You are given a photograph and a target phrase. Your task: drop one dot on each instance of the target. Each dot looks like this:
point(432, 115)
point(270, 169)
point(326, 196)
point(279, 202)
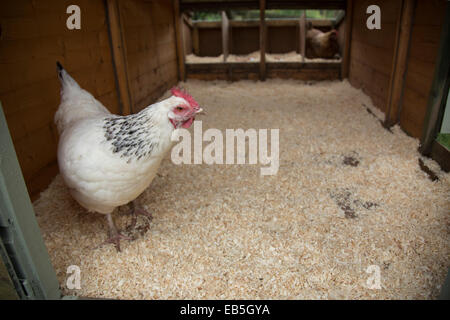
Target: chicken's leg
point(114, 235)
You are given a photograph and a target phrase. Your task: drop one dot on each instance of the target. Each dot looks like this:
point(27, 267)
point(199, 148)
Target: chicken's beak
point(200, 111)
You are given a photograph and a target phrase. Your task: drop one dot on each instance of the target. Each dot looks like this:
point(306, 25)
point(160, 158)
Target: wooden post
point(119, 56)
point(345, 65)
point(230, 39)
point(302, 33)
point(178, 19)
point(262, 39)
point(398, 72)
point(195, 40)
point(225, 35)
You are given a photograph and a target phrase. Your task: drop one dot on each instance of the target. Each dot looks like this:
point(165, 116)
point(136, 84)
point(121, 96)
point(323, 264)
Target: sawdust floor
point(348, 194)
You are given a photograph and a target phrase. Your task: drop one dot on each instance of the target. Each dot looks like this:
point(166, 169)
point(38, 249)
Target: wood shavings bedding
point(255, 57)
point(348, 195)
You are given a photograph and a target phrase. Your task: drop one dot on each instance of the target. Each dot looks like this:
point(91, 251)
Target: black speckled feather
point(133, 136)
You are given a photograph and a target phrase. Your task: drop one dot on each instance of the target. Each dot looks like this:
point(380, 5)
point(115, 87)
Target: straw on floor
point(348, 195)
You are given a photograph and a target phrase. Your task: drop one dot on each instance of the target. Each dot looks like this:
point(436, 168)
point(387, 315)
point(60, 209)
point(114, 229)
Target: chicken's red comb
point(182, 94)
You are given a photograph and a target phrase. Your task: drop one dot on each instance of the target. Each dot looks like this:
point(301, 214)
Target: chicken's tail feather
point(76, 103)
point(64, 77)
point(59, 69)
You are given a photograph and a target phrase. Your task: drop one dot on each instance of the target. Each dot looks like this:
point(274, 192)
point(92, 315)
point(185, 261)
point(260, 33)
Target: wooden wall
point(210, 42)
point(149, 33)
point(372, 51)
point(34, 36)
point(372, 55)
point(244, 40)
point(424, 43)
point(282, 39)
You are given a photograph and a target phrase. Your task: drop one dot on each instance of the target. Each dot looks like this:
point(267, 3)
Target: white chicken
point(108, 160)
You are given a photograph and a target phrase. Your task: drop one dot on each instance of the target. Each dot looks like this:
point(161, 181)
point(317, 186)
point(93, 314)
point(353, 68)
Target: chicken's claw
point(115, 239)
point(114, 235)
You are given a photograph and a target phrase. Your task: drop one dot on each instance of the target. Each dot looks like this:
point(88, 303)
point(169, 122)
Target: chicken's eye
point(180, 108)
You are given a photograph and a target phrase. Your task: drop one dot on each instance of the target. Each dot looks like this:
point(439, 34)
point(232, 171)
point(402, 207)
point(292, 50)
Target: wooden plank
point(252, 65)
point(118, 50)
point(35, 151)
point(377, 58)
point(304, 65)
point(230, 37)
point(397, 84)
point(385, 38)
point(199, 5)
point(221, 67)
point(425, 42)
point(187, 20)
point(373, 82)
point(345, 68)
point(195, 40)
point(41, 180)
point(302, 34)
point(269, 23)
point(417, 81)
point(178, 20)
point(305, 75)
point(242, 70)
point(225, 35)
point(262, 39)
point(413, 116)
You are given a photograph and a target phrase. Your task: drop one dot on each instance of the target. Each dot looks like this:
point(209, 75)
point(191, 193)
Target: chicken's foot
point(114, 234)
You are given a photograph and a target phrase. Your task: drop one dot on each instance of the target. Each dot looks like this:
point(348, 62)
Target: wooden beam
point(235, 71)
point(225, 36)
point(195, 41)
point(119, 56)
point(302, 34)
point(187, 20)
point(253, 4)
point(345, 66)
point(230, 36)
point(178, 21)
point(399, 65)
point(269, 23)
point(339, 19)
point(262, 39)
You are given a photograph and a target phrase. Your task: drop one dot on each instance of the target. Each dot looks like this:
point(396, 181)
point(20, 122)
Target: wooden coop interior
point(129, 53)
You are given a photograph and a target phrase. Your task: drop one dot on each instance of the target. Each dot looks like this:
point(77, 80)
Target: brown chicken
point(321, 44)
